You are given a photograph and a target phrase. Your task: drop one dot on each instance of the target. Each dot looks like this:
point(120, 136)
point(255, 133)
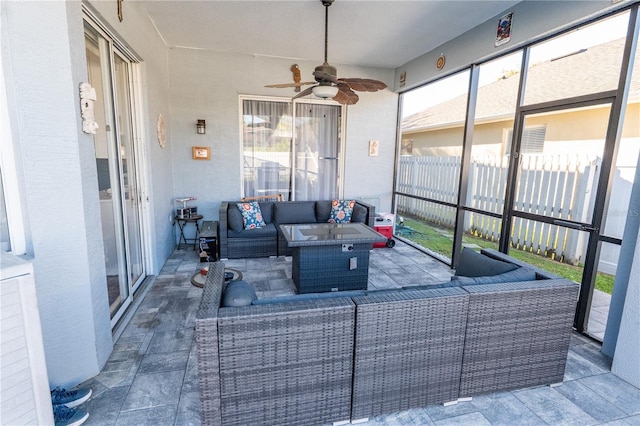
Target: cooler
point(384, 224)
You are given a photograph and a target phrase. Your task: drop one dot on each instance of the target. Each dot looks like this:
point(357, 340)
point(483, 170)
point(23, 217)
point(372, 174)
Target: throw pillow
point(234, 217)
point(341, 211)
point(251, 215)
point(266, 207)
point(474, 264)
point(517, 275)
point(294, 212)
point(359, 214)
point(238, 293)
point(323, 211)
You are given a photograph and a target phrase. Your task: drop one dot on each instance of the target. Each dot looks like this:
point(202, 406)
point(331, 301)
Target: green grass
point(435, 239)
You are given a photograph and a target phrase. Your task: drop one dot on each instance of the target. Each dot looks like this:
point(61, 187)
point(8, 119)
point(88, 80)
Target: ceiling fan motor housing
point(325, 69)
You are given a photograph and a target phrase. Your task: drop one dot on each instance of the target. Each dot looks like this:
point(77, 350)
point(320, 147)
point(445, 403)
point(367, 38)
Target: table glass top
point(319, 233)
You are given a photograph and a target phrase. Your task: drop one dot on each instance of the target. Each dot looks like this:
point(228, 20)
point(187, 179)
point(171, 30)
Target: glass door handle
point(327, 158)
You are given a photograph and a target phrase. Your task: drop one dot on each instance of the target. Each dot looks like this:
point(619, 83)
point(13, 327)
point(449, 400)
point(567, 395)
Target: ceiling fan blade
point(363, 84)
point(283, 85)
point(323, 76)
point(305, 92)
point(345, 95)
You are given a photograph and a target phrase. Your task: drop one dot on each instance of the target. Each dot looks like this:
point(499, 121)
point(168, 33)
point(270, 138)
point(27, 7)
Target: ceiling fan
point(327, 84)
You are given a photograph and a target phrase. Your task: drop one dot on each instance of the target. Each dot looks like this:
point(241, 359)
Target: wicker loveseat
point(314, 360)
point(236, 242)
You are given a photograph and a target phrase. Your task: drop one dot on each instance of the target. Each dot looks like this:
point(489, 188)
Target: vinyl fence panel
point(559, 186)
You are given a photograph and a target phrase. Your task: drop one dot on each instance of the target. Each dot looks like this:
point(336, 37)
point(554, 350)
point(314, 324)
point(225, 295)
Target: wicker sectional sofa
point(318, 359)
point(236, 242)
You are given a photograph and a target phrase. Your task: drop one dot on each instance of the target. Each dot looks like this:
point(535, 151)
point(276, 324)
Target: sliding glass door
point(110, 74)
point(131, 207)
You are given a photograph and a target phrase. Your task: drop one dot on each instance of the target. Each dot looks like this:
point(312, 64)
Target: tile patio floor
point(151, 377)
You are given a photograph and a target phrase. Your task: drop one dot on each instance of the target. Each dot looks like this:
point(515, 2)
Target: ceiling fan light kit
point(327, 84)
point(325, 92)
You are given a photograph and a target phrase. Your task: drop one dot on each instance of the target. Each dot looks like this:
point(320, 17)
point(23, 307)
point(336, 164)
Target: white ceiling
point(380, 33)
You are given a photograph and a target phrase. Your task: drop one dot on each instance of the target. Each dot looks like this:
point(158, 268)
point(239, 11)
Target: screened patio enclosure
point(533, 153)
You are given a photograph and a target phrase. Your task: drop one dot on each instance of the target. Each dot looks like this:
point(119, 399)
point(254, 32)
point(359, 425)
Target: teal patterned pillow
point(251, 215)
point(341, 211)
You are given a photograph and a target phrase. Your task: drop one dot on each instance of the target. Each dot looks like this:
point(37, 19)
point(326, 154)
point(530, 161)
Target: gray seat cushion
point(519, 274)
point(308, 296)
point(269, 230)
point(323, 295)
point(474, 264)
point(234, 218)
point(266, 208)
point(294, 212)
point(446, 284)
point(323, 211)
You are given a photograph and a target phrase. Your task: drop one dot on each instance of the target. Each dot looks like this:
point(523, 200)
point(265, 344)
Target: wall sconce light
point(201, 127)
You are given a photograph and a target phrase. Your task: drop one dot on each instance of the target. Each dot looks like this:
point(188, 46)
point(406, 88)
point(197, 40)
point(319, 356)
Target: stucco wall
point(44, 63)
point(374, 117)
point(207, 85)
point(60, 189)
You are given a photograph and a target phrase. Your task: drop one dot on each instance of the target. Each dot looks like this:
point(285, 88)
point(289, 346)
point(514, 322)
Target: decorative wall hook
point(87, 96)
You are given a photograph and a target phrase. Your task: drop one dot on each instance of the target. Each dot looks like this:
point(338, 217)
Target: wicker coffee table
point(330, 256)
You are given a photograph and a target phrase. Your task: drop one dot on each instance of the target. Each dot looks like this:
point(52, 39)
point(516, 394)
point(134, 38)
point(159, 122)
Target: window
point(406, 148)
point(266, 147)
point(532, 140)
point(291, 151)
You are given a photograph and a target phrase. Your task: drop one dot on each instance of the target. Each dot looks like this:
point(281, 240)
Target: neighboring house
point(571, 140)
point(438, 130)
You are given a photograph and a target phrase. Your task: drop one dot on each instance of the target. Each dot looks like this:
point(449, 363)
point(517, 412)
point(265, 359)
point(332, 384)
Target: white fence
point(559, 186)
